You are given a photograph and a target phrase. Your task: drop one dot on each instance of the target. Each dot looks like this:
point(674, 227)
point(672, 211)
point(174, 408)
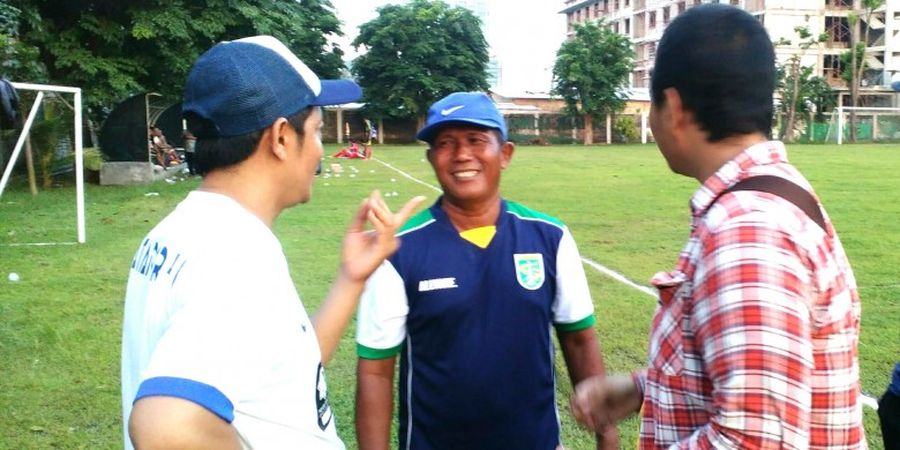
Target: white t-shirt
point(212, 316)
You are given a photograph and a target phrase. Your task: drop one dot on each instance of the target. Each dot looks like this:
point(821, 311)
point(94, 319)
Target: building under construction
point(645, 20)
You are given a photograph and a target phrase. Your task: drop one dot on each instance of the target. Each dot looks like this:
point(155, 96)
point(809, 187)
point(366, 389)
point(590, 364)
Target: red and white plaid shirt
point(754, 342)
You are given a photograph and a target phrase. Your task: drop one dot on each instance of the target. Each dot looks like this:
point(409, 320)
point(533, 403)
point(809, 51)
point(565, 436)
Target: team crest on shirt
point(529, 270)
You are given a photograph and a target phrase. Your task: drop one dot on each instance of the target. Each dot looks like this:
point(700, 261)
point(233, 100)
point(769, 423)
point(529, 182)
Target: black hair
point(722, 63)
point(214, 153)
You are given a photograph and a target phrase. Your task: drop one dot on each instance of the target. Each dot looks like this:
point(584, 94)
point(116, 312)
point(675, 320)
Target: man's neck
point(468, 216)
point(250, 193)
point(711, 156)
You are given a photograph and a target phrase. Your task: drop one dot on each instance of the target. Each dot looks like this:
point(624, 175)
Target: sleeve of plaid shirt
point(751, 319)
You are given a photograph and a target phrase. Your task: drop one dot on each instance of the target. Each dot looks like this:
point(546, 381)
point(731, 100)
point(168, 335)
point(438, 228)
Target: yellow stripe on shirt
point(480, 236)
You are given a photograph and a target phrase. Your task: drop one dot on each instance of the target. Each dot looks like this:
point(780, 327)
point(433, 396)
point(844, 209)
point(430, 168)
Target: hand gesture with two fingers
point(364, 249)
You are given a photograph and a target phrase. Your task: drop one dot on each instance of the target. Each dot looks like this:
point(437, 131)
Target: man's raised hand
point(365, 249)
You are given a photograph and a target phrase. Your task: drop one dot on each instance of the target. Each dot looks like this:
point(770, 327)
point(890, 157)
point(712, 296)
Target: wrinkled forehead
point(457, 129)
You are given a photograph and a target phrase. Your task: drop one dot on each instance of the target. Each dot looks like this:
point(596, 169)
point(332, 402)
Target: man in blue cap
point(217, 349)
point(469, 303)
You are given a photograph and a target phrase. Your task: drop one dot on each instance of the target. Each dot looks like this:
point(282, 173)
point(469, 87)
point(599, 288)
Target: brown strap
point(785, 189)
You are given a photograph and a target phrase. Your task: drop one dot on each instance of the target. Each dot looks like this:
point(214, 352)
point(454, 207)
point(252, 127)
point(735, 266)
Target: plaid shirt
point(754, 341)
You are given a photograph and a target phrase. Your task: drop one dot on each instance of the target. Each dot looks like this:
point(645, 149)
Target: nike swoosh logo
point(448, 111)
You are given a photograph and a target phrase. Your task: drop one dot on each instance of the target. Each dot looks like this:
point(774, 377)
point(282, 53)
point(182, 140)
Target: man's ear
point(681, 119)
point(278, 138)
point(506, 153)
point(682, 122)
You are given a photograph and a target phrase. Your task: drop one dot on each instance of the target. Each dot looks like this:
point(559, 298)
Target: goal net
point(12, 204)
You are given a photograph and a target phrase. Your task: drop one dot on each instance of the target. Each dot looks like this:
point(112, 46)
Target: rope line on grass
point(435, 188)
point(37, 244)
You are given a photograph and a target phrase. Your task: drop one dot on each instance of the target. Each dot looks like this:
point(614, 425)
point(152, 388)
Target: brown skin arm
point(583, 359)
point(361, 253)
point(162, 422)
point(374, 402)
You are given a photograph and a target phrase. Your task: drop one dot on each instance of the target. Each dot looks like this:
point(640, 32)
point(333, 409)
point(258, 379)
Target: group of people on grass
point(754, 342)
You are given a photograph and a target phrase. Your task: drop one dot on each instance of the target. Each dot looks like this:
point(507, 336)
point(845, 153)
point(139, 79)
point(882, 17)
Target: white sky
point(523, 35)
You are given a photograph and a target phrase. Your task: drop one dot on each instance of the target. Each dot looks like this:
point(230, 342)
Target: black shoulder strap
point(800, 197)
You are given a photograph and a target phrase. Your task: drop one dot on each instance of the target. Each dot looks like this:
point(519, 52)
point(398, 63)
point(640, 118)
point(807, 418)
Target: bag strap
point(801, 198)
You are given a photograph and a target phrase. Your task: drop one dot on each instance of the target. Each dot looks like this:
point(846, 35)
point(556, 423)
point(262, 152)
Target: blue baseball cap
point(243, 86)
point(464, 108)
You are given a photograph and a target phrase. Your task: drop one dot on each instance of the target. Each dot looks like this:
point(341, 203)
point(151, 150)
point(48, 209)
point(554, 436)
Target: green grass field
point(60, 325)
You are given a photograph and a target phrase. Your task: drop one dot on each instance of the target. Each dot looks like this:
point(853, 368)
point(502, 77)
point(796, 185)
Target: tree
point(19, 60)
point(416, 54)
point(794, 80)
point(113, 50)
point(862, 8)
point(591, 73)
point(802, 94)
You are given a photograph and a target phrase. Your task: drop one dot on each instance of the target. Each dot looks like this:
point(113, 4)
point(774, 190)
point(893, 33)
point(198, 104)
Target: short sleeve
point(381, 319)
point(215, 344)
point(573, 308)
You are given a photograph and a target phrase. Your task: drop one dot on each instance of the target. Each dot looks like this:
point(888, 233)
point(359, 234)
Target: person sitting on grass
point(351, 152)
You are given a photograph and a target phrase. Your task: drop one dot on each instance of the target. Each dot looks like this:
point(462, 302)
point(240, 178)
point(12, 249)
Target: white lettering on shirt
point(437, 283)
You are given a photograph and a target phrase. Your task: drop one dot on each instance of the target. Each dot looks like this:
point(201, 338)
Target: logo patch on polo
point(529, 270)
point(437, 283)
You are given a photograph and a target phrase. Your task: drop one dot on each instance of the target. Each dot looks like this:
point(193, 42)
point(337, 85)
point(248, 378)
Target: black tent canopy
point(124, 135)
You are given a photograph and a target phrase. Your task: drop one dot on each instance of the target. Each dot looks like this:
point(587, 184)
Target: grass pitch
point(61, 322)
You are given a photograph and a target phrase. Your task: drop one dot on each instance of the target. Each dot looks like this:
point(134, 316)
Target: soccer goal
point(79, 153)
point(871, 124)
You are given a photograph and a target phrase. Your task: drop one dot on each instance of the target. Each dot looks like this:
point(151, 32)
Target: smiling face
point(467, 161)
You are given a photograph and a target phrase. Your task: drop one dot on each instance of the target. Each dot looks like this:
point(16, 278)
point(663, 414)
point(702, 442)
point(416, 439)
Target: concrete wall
point(126, 173)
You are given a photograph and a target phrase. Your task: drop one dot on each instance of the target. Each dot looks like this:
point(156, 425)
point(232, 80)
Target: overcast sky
point(523, 35)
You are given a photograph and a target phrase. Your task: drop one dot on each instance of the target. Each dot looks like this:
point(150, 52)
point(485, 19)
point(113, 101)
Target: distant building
point(527, 102)
point(544, 103)
point(644, 21)
point(479, 7)
point(494, 74)
point(482, 11)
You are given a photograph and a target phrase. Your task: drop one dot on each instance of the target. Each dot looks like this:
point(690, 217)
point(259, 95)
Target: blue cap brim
point(337, 92)
point(428, 133)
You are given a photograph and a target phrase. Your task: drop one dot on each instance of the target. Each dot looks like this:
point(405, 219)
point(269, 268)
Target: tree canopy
point(591, 72)
point(865, 10)
point(798, 90)
point(19, 59)
point(115, 49)
point(418, 53)
point(801, 93)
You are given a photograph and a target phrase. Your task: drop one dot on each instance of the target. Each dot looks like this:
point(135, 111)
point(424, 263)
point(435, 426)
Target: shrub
point(625, 130)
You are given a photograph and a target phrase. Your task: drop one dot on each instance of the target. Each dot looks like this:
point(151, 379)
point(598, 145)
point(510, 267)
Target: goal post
point(878, 124)
point(79, 151)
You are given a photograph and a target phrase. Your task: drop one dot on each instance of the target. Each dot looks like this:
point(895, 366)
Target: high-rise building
point(479, 7)
point(644, 21)
point(482, 11)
